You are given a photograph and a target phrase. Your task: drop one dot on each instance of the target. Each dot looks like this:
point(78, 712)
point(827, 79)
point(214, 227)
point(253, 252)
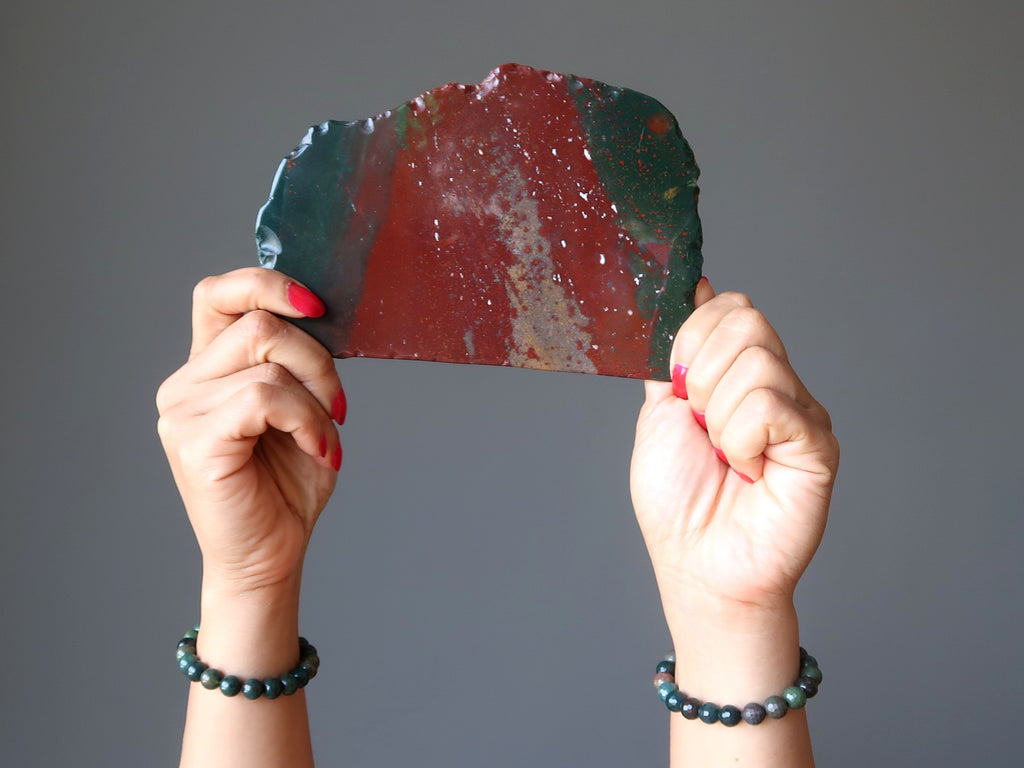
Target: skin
point(246, 425)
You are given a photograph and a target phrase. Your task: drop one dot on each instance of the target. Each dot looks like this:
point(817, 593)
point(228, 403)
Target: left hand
point(736, 531)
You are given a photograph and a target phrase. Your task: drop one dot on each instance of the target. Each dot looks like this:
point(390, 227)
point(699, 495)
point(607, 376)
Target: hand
point(730, 538)
point(247, 427)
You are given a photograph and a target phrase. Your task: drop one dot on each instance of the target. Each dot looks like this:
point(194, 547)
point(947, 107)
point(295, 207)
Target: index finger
point(220, 300)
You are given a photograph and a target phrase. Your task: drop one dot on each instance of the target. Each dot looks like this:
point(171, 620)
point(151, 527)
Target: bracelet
point(794, 697)
point(199, 672)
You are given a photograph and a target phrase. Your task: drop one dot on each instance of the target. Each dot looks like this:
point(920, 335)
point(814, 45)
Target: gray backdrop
point(478, 588)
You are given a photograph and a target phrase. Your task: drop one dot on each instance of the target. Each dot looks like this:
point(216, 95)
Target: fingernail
point(336, 458)
point(701, 420)
point(721, 455)
point(305, 301)
point(679, 380)
point(323, 446)
point(744, 478)
point(339, 407)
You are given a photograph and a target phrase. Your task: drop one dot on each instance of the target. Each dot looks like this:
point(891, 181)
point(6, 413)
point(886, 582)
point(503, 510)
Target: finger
point(754, 368)
point(231, 428)
point(696, 329)
point(768, 424)
point(736, 329)
point(220, 300)
point(704, 292)
point(259, 338)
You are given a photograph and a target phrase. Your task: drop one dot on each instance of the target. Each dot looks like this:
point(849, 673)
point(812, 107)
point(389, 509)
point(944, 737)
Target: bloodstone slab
point(536, 220)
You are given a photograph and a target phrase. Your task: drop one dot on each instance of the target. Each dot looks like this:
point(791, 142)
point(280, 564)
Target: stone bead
point(252, 688)
point(272, 688)
point(195, 670)
point(691, 708)
point(301, 676)
point(230, 686)
point(311, 666)
point(808, 661)
point(289, 685)
point(809, 686)
point(776, 707)
point(663, 677)
point(188, 643)
point(211, 678)
point(674, 701)
point(192, 634)
point(754, 713)
point(671, 656)
point(811, 671)
point(795, 697)
point(729, 715)
point(186, 660)
point(708, 713)
point(666, 666)
point(665, 689)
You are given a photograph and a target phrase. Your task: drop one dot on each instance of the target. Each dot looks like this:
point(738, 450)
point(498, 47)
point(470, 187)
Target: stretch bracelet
point(199, 672)
point(794, 697)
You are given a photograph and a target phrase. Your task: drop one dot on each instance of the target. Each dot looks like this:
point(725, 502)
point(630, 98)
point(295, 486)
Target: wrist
point(247, 631)
point(733, 654)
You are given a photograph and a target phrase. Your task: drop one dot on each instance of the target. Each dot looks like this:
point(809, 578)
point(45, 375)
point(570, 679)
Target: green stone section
point(650, 173)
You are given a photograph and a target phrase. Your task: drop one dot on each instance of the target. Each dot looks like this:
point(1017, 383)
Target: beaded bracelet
point(794, 697)
point(253, 688)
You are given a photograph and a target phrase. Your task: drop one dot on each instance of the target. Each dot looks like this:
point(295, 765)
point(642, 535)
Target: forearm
point(729, 657)
point(249, 635)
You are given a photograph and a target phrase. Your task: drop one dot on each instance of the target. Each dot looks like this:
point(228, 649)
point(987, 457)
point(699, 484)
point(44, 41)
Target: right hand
point(247, 427)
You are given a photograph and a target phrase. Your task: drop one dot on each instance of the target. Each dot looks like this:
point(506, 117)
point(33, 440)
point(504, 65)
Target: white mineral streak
point(544, 319)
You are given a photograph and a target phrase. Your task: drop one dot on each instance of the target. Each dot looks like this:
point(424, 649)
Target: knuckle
point(261, 326)
point(747, 321)
point(259, 395)
point(203, 289)
point(737, 298)
point(273, 374)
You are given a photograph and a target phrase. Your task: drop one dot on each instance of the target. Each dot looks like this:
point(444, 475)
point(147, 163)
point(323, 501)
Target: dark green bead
point(708, 713)
point(776, 707)
point(311, 666)
point(179, 652)
point(754, 713)
point(729, 715)
point(674, 701)
point(301, 676)
point(211, 678)
point(808, 686)
point(665, 689)
point(272, 688)
point(230, 686)
point(795, 697)
point(252, 688)
point(808, 661)
point(813, 672)
point(188, 643)
point(289, 685)
point(690, 709)
point(195, 671)
point(192, 634)
point(665, 666)
point(186, 660)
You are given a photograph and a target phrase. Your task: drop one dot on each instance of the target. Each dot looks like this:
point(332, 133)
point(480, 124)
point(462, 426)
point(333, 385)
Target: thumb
point(704, 292)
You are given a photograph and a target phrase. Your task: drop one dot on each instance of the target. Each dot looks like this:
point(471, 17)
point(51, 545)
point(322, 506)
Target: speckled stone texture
point(535, 220)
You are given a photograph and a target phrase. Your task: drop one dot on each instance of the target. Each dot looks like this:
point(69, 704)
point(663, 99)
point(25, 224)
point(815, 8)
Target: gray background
point(478, 588)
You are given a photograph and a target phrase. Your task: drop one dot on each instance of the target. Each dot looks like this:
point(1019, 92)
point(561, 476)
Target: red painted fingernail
point(305, 301)
point(744, 478)
point(339, 407)
point(701, 420)
point(323, 446)
point(336, 458)
point(721, 455)
point(679, 380)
